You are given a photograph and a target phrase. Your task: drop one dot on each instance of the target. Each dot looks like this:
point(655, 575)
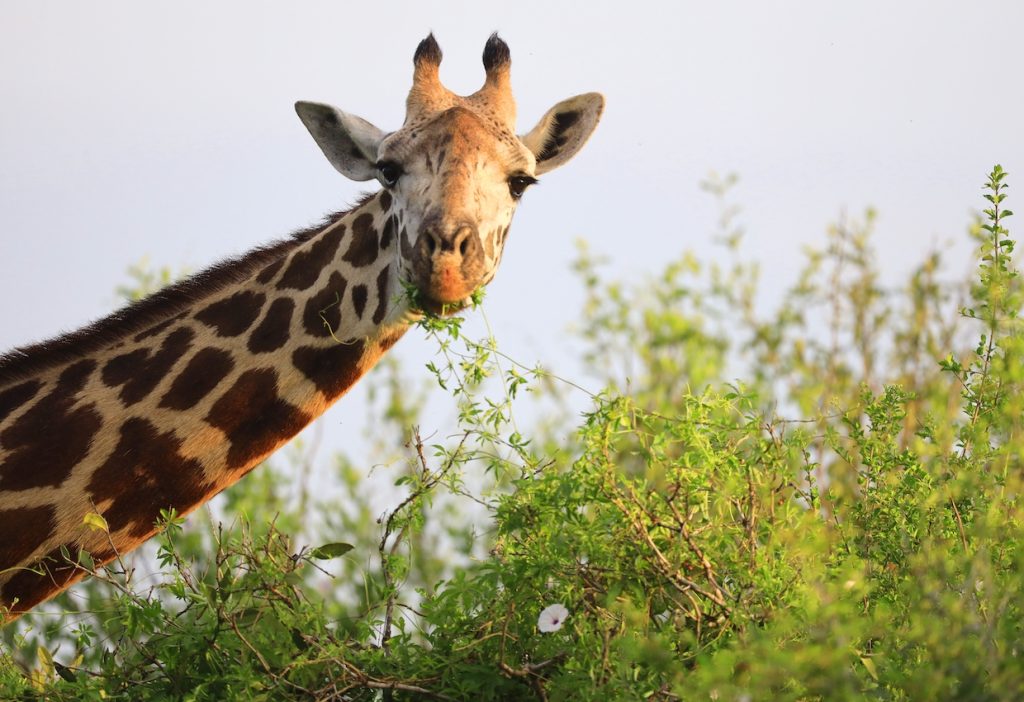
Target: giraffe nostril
point(431, 244)
point(464, 246)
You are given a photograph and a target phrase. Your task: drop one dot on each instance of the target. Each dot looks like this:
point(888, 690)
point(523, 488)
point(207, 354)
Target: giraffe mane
point(24, 361)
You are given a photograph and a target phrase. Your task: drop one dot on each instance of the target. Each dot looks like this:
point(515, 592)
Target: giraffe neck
point(167, 403)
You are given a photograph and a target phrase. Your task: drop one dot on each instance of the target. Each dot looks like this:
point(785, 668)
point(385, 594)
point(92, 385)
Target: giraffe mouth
point(441, 308)
point(439, 300)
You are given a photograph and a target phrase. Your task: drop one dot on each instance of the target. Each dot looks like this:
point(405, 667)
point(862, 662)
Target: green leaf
point(85, 560)
point(329, 551)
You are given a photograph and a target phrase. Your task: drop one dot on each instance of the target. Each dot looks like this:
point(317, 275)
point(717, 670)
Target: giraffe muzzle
point(448, 262)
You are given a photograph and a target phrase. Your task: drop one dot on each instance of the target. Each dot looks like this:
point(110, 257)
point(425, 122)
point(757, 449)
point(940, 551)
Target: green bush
point(843, 524)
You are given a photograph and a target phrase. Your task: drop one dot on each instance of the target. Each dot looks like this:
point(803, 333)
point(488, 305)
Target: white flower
point(552, 618)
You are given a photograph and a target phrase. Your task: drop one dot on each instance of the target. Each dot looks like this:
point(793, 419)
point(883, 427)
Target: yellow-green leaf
point(95, 520)
point(870, 666)
point(46, 670)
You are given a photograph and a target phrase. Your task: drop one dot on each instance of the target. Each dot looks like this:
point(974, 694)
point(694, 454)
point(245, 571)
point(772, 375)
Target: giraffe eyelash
point(518, 184)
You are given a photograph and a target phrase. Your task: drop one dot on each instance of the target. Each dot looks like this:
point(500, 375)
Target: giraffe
point(170, 400)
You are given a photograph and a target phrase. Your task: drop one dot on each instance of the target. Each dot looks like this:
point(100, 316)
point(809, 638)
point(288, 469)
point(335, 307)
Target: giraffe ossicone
point(167, 402)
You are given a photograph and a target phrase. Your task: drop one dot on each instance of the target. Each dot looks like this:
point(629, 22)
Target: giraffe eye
point(518, 184)
point(389, 172)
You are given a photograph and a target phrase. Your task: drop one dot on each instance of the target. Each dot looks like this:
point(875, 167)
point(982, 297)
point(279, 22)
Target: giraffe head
point(455, 171)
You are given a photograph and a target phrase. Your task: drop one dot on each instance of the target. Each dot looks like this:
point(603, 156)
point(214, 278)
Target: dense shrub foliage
point(842, 523)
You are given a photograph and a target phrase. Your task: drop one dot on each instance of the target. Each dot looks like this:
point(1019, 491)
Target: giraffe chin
point(440, 308)
point(446, 293)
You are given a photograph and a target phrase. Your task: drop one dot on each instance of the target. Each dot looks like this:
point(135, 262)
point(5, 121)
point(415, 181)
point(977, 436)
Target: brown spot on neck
point(359, 295)
point(382, 295)
point(322, 314)
point(272, 333)
point(254, 418)
point(364, 244)
point(139, 371)
point(50, 439)
point(388, 232)
point(16, 396)
point(306, 265)
point(333, 369)
point(144, 474)
point(198, 379)
point(233, 315)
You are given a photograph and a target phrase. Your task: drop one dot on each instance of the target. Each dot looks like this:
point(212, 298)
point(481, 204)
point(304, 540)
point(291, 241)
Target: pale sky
point(127, 130)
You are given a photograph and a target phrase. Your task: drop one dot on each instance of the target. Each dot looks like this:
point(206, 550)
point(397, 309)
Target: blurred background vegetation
point(817, 500)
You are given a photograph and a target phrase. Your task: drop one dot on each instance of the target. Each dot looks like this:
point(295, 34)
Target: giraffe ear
point(563, 130)
point(350, 143)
